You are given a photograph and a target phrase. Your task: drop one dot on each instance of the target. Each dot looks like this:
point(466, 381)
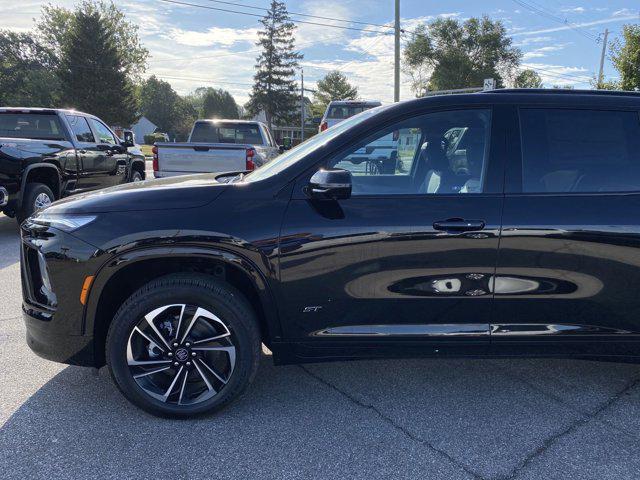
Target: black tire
point(136, 176)
point(31, 193)
point(221, 299)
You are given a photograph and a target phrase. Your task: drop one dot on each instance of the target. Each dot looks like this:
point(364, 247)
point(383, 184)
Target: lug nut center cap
point(182, 354)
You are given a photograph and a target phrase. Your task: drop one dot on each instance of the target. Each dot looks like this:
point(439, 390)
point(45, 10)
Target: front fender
point(128, 258)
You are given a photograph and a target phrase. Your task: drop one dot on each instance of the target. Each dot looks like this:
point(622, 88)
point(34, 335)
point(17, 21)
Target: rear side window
point(35, 126)
point(580, 151)
point(80, 129)
point(208, 132)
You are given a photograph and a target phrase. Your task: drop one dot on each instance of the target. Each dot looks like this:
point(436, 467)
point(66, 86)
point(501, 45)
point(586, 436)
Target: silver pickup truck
point(216, 146)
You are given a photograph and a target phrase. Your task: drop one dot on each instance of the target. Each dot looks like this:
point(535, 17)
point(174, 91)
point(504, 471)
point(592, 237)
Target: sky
point(191, 47)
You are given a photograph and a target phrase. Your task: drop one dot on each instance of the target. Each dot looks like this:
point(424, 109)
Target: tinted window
point(104, 134)
point(80, 128)
point(580, 150)
point(25, 125)
point(209, 132)
point(439, 153)
point(346, 111)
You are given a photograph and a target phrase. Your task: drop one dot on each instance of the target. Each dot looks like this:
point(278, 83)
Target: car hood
point(189, 191)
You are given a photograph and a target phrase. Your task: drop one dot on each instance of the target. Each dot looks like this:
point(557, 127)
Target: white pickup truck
point(216, 146)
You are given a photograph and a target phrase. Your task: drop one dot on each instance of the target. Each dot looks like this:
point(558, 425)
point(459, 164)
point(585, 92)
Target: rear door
point(568, 269)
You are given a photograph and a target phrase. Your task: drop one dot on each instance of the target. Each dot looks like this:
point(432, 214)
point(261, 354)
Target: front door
point(111, 158)
point(410, 256)
point(568, 273)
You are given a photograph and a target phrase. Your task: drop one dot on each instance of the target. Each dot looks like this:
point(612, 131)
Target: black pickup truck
point(47, 154)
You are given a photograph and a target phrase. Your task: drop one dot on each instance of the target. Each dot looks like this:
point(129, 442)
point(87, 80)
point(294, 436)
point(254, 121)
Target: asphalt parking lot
point(430, 419)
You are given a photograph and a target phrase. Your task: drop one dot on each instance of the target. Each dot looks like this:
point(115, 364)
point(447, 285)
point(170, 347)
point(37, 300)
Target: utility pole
point(602, 55)
point(301, 105)
point(396, 67)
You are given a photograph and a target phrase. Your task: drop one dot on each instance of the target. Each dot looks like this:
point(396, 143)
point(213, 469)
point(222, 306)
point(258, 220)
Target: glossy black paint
point(69, 166)
point(372, 276)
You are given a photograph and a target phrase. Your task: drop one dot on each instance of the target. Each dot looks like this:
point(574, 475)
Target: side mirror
point(128, 139)
point(332, 184)
point(281, 148)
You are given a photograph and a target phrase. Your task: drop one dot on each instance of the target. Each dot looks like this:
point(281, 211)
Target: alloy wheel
point(42, 200)
point(181, 354)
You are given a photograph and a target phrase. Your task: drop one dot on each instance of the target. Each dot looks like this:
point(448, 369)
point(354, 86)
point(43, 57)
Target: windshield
point(287, 159)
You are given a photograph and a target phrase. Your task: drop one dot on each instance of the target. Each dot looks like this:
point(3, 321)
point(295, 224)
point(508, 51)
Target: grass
point(146, 149)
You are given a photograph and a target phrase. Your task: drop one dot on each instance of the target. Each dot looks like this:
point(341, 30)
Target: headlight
point(64, 222)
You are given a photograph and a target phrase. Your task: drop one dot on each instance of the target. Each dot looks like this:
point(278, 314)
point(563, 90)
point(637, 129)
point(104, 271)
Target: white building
point(143, 127)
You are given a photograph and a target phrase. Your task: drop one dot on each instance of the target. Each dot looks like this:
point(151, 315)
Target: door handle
point(458, 225)
point(82, 151)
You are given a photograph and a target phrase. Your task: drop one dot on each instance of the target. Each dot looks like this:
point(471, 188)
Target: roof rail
point(562, 91)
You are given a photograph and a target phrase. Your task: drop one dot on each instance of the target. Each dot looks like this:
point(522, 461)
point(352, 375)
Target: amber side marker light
point(85, 289)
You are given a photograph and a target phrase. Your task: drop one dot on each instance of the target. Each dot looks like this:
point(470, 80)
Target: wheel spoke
point(151, 316)
point(179, 322)
point(135, 363)
point(213, 372)
point(149, 339)
point(173, 384)
point(206, 380)
point(184, 383)
point(211, 339)
point(231, 351)
point(151, 372)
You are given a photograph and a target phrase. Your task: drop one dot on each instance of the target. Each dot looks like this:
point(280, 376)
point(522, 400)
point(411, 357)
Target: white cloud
point(574, 10)
point(619, 18)
point(543, 51)
point(623, 12)
point(560, 75)
point(528, 41)
point(213, 36)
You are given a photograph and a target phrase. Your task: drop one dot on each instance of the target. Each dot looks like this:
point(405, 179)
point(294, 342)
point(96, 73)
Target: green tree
point(160, 103)
point(274, 88)
point(528, 79)
point(214, 103)
point(449, 54)
point(55, 26)
point(92, 71)
point(27, 71)
point(625, 54)
point(333, 86)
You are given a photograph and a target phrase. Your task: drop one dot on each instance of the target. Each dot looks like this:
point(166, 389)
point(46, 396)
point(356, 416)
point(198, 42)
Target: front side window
point(565, 151)
point(438, 153)
point(81, 129)
point(104, 134)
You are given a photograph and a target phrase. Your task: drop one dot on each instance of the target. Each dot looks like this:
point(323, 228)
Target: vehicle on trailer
point(216, 146)
point(510, 231)
point(47, 154)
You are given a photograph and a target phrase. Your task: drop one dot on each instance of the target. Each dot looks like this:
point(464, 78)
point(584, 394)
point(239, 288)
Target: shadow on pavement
point(382, 419)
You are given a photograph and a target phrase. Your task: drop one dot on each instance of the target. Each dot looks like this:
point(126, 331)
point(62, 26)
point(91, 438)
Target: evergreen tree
point(274, 89)
point(334, 86)
point(92, 70)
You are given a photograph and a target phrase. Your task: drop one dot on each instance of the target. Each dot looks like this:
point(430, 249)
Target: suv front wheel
point(36, 197)
point(183, 345)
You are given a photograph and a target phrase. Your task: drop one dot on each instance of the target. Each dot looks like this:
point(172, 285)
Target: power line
point(252, 50)
point(343, 27)
point(546, 13)
point(303, 14)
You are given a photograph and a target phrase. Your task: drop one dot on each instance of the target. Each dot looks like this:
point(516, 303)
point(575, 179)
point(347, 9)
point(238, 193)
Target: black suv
point(506, 224)
point(47, 154)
